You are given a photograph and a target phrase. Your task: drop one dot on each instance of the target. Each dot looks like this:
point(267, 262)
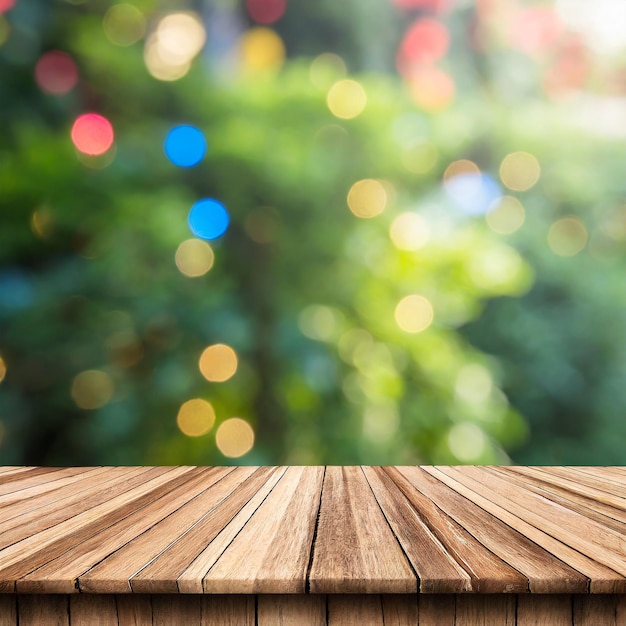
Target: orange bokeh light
point(92, 134)
point(535, 30)
point(432, 89)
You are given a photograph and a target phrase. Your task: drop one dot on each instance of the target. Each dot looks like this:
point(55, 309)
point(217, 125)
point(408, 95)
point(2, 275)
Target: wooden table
point(438, 546)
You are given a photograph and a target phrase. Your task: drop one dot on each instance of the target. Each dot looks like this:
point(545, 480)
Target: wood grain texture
point(485, 610)
point(228, 610)
point(348, 610)
point(594, 610)
point(43, 611)
point(400, 609)
point(176, 610)
point(291, 610)
point(355, 550)
point(8, 610)
point(134, 610)
point(92, 610)
point(544, 610)
point(436, 609)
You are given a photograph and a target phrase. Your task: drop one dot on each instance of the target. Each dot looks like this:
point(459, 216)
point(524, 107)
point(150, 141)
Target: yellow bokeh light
point(567, 236)
point(467, 441)
point(507, 216)
point(459, 168)
point(414, 314)
point(195, 417)
point(420, 158)
point(409, 231)
point(92, 389)
point(326, 69)
point(261, 49)
point(234, 437)
point(519, 171)
point(169, 51)
point(319, 322)
point(367, 198)
point(3, 369)
point(124, 24)
point(41, 223)
point(194, 257)
point(218, 363)
point(346, 99)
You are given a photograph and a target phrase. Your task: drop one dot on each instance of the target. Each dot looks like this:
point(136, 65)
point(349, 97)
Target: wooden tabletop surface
point(261, 530)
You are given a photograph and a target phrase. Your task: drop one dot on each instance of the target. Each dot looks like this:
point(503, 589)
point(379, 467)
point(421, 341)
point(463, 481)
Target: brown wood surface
point(315, 530)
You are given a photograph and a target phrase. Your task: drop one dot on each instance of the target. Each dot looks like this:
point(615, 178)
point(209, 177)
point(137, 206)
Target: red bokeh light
point(6, 5)
point(432, 89)
point(266, 11)
point(426, 41)
point(56, 73)
point(92, 134)
point(436, 6)
point(535, 29)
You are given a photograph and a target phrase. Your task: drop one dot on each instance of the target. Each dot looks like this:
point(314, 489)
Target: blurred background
point(281, 231)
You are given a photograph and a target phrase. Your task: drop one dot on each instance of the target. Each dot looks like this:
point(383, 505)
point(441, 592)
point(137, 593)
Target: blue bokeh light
point(208, 219)
point(474, 194)
point(185, 146)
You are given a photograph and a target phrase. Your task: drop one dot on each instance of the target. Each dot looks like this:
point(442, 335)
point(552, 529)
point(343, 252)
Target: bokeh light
point(567, 236)
point(56, 73)
point(535, 29)
point(266, 11)
point(261, 50)
point(171, 48)
point(431, 88)
point(414, 313)
point(473, 194)
point(218, 363)
point(420, 158)
point(409, 231)
point(92, 134)
point(436, 6)
point(194, 258)
point(319, 322)
point(208, 219)
point(3, 369)
point(474, 384)
point(5, 29)
point(506, 216)
point(124, 24)
point(326, 69)
point(195, 417)
point(185, 145)
point(41, 222)
point(234, 437)
point(460, 167)
point(6, 5)
point(467, 441)
point(346, 99)
point(367, 198)
point(519, 171)
point(92, 389)
point(426, 41)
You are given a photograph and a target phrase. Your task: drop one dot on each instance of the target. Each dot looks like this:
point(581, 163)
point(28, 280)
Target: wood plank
point(43, 610)
point(61, 575)
point(228, 610)
point(8, 610)
point(437, 609)
point(579, 532)
point(93, 610)
point(271, 553)
point(161, 574)
point(600, 484)
point(190, 581)
point(355, 550)
point(602, 578)
point(349, 610)
point(31, 476)
point(24, 556)
point(291, 610)
point(400, 609)
point(596, 610)
point(176, 610)
point(438, 572)
point(544, 610)
point(485, 610)
point(545, 572)
point(488, 572)
point(112, 575)
point(134, 610)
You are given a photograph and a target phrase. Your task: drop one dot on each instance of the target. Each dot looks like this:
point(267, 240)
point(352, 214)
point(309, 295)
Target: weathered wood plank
point(594, 479)
point(8, 610)
point(134, 610)
point(355, 550)
point(271, 553)
point(228, 610)
point(400, 609)
point(93, 610)
point(544, 610)
point(603, 579)
point(21, 558)
point(595, 610)
point(176, 610)
point(29, 477)
point(436, 609)
point(61, 574)
point(112, 575)
point(485, 610)
point(545, 573)
point(348, 610)
point(291, 610)
point(438, 572)
point(190, 580)
point(488, 572)
point(43, 611)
